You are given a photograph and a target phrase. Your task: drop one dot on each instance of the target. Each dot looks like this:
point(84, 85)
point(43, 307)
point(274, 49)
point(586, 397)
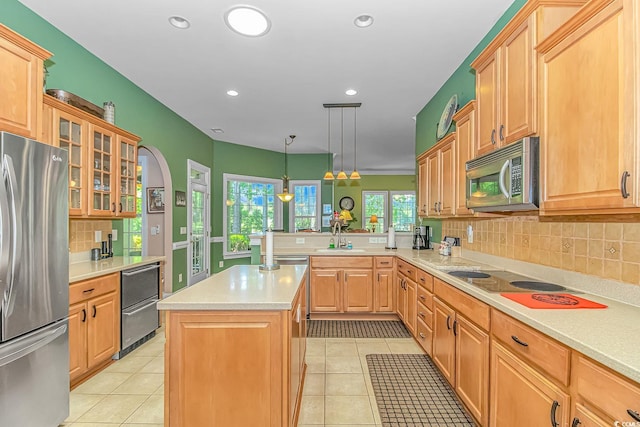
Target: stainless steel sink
point(339, 250)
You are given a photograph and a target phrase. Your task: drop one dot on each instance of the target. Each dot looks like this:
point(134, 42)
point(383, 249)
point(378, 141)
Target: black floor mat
point(356, 329)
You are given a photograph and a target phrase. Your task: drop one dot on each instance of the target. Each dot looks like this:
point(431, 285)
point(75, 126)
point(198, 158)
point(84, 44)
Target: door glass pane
point(76, 153)
point(75, 177)
point(64, 129)
point(74, 198)
point(197, 231)
point(107, 201)
point(107, 144)
point(106, 182)
point(107, 163)
point(97, 199)
point(76, 131)
point(97, 141)
point(97, 160)
point(97, 181)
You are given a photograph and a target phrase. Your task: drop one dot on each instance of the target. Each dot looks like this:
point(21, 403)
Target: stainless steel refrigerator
point(34, 283)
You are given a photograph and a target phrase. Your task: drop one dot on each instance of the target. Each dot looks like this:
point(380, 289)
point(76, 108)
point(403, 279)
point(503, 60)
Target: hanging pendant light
point(342, 174)
point(329, 174)
point(285, 196)
point(354, 174)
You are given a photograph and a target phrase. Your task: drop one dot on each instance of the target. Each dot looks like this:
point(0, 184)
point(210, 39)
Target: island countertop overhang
point(242, 287)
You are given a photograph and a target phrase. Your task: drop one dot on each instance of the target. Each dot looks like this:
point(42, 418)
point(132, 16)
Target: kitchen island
point(235, 349)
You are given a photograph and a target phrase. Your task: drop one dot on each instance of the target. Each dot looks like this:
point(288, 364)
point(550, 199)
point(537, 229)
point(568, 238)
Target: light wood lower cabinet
point(94, 325)
point(234, 368)
point(383, 288)
point(521, 396)
point(461, 346)
point(342, 284)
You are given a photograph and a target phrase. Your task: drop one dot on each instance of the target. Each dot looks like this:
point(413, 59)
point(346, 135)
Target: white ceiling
point(311, 55)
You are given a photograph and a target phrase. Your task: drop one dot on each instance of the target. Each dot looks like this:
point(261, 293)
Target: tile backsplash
point(608, 250)
point(82, 233)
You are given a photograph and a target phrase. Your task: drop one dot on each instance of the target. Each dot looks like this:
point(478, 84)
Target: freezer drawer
point(139, 284)
point(138, 321)
point(34, 378)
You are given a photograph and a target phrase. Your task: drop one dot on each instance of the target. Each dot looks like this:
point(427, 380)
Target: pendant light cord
point(329, 140)
point(342, 138)
point(355, 148)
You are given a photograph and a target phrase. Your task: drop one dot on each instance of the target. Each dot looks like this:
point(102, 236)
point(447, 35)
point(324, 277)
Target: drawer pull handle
point(423, 298)
point(633, 414)
point(422, 314)
point(84, 315)
point(576, 422)
point(422, 335)
point(385, 262)
point(422, 279)
point(448, 319)
point(88, 291)
point(519, 341)
point(554, 408)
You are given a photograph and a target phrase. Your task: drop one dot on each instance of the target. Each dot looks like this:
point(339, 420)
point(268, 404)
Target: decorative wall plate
point(447, 116)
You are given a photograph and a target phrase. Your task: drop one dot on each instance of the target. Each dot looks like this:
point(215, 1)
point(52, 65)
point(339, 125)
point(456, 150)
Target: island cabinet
point(590, 163)
point(94, 325)
point(529, 376)
point(461, 346)
point(437, 181)
point(102, 161)
point(506, 74)
point(21, 84)
point(383, 292)
point(341, 284)
point(406, 291)
point(602, 397)
point(235, 368)
point(424, 311)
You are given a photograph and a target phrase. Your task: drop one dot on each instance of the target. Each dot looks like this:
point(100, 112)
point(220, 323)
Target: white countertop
point(242, 287)
point(89, 269)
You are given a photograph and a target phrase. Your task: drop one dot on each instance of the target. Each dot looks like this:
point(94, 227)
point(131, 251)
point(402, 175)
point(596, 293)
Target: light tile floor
point(337, 391)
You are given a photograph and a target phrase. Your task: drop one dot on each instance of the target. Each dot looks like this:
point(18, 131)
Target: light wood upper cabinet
point(464, 151)
point(438, 188)
point(506, 74)
point(21, 84)
point(589, 147)
point(102, 161)
point(423, 180)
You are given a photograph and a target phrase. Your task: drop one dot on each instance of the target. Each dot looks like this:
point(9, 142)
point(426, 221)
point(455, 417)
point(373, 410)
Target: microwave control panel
point(516, 176)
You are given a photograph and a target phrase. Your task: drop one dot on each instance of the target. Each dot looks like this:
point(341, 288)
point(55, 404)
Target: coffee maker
point(421, 237)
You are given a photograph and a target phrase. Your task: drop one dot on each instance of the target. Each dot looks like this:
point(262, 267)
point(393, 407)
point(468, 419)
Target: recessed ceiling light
point(217, 130)
point(351, 92)
point(232, 92)
point(363, 21)
point(179, 22)
point(248, 21)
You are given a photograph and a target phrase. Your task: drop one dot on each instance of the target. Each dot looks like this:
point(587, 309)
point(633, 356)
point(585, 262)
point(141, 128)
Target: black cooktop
point(505, 281)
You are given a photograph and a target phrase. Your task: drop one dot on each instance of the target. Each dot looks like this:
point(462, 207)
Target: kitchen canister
point(96, 254)
point(109, 112)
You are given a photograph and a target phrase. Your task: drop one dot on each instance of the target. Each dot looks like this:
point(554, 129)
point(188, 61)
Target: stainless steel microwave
point(505, 179)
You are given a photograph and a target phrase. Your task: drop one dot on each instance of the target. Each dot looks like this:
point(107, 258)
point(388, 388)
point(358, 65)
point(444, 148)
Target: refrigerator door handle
point(14, 351)
point(9, 176)
point(6, 253)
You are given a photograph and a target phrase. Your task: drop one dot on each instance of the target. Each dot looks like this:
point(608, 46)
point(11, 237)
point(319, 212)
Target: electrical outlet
point(98, 236)
point(469, 233)
point(114, 235)
point(183, 230)
point(180, 278)
point(382, 240)
point(300, 240)
point(373, 240)
point(430, 232)
point(221, 264)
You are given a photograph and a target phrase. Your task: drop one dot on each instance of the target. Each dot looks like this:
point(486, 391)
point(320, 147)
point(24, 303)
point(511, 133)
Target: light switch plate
point(300, 240)
point(180, 278)
point(114, 235)
point(98, 237)
point(220, 264)
point(183, 230)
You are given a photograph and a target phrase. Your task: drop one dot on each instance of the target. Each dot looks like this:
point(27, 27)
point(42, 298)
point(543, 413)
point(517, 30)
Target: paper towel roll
point(269, 256)
point(391, 237)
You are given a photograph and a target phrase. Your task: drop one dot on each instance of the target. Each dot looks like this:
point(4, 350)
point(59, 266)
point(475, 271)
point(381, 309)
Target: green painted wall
point(463, 83)
point(369, 183)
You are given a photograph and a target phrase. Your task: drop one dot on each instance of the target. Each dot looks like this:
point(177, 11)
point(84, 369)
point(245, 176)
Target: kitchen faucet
point(337, 228)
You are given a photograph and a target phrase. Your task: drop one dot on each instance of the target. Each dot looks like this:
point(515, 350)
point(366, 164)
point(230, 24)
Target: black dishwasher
point(139, 291)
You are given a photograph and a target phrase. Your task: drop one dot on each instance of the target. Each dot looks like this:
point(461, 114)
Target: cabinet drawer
point(425, 280)
point(424, 336)
point(425, 314)
point(606, 390)
point(407, 269)
point(471, 308)
point(425, 298)
point(547, 354)
point(384, 262)
point(341, 262)
point(80, 291)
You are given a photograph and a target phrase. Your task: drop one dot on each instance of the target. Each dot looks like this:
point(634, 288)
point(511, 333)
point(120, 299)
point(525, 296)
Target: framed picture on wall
point(181, 198)
point(155, 199)
point(326, 209)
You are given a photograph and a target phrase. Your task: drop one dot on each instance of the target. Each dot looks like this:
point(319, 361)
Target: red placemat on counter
point(554, 301)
